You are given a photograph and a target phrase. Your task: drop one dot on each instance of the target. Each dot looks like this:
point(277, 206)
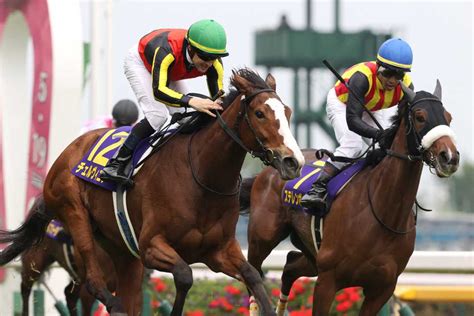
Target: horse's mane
point(249, 75)
point(202, 119)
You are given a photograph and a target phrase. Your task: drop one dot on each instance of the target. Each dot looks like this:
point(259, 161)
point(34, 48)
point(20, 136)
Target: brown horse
point(185, 200)
point(369, 234)
point(37, 259)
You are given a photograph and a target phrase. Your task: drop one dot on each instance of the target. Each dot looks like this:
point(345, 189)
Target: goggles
point(391, 73)
point(206, 57)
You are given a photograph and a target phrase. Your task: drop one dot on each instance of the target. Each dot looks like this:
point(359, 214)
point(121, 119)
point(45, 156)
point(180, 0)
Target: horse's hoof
point(118, 314)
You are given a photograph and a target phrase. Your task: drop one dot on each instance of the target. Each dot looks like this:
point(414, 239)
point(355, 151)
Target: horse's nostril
point(290, 162)
point(444, 157)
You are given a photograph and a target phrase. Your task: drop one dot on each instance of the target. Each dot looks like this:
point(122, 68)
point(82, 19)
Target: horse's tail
point(28, 234)
point(244, 196)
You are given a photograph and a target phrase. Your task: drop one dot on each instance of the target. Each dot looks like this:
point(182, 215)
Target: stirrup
point(119, 180)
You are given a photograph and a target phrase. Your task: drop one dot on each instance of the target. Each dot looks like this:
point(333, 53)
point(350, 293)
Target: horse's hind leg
point(161, 256)
point(297, 265)
point(129, 279)
point(34, 262)
point(76, 218)
point(375, 299)
point(71, 292)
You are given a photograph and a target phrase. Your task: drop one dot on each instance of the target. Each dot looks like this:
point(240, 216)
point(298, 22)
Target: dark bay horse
point(369, 234)
point(185, 201)
point(37, 259)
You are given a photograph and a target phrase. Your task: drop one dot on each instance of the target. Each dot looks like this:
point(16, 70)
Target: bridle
point(416, 152)
point(266, 155)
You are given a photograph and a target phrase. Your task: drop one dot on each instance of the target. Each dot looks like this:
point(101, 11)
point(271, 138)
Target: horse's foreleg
point(324, 293)
point(232, 262)
point(375, 299)
point(161, 256)
point(77, 220)
point(297, 265)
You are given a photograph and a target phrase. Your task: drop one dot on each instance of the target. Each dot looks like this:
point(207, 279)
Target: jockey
point(377, 84)
point(124, 113)
point(154, 68)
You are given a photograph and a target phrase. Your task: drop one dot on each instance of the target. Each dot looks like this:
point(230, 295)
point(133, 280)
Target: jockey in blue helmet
point(377, 84)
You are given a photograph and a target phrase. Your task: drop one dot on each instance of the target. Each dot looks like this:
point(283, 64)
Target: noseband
point(266, 155)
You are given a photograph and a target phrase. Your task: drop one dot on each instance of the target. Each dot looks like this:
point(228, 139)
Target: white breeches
point(351, 144)
point(140, 80)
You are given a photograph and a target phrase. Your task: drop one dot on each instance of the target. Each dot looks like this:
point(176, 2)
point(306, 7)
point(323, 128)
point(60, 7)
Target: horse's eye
point(420, 118)
point(259, 114)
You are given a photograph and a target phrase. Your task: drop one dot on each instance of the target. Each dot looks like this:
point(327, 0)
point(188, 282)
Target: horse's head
point(266, 131)
point(428, 131)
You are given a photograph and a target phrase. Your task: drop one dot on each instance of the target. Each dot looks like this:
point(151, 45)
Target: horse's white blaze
point(288, 138)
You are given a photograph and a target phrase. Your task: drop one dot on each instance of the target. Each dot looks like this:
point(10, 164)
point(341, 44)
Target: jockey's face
point(389, 83)
point(201, 64)
point(389, 77)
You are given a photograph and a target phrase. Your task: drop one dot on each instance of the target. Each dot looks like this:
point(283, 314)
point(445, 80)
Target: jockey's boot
point(316, 197)
point(115, 168)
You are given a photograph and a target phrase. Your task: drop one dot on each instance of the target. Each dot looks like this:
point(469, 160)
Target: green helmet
point(208, 38)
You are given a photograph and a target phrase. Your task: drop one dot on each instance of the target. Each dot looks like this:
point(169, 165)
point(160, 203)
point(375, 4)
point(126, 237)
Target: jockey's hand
point(381, 138)
point(204, 105)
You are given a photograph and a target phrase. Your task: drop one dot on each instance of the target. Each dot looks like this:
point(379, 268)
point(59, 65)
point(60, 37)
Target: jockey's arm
point(215, 77)
point(161, 69)
point(359, 85)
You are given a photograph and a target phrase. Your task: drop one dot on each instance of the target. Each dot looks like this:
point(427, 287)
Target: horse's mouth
point(288, 167)
point(445, 170)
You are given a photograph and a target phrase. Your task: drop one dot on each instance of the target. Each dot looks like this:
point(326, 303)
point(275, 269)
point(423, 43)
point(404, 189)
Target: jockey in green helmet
point(155, 69)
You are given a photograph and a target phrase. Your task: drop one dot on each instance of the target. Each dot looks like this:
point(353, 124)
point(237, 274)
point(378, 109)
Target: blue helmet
point(395, 54)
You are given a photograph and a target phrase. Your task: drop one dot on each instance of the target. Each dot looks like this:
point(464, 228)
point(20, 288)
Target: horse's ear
point(270, 80)
point(437, 92)
point(408, 92)
point(242, 84)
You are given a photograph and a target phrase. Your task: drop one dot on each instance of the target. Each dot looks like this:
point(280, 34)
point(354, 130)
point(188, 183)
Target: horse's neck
point(213, 148)
point(395, 182)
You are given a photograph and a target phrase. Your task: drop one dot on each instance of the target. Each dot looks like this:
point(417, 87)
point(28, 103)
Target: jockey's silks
point(376, 97)
point(163, 53)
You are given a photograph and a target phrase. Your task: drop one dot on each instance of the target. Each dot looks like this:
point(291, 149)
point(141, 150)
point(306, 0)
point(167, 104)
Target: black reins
point(266, 155)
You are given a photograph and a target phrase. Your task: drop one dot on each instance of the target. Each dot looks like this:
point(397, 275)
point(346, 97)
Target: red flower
point(302, 312)
point(214, 303)
point(155, 304)
point(197, 312)
point(344, 296)
point(298, 287)
point(291, 296)
point(344, 306)
point(225, 304)
point(232, 290)
point(243, 310)
point(158, 285)
point(276, 292)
